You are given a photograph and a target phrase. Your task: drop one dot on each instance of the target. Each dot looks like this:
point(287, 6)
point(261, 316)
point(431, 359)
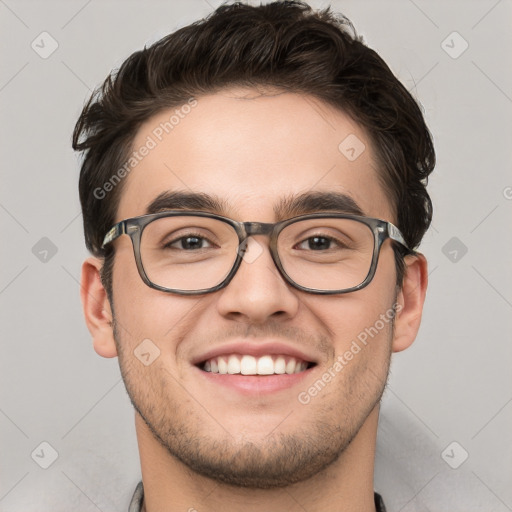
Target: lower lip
point(257, 384)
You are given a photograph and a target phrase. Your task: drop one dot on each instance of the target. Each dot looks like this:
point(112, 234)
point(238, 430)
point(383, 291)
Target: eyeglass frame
point(134, 227)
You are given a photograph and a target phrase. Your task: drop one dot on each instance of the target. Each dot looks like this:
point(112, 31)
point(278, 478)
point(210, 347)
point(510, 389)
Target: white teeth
point(290, 366)
point(250, 365)
point(280, 365)
point(265, 365)
point(233, 365)
point(223, 365)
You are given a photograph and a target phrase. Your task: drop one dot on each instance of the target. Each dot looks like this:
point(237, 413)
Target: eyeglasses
point(192, 253)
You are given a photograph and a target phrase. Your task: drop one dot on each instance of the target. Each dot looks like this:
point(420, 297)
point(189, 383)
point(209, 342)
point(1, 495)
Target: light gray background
point(454, 384)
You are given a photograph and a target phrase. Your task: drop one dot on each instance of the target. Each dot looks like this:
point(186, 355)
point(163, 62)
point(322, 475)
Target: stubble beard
point(279, 459)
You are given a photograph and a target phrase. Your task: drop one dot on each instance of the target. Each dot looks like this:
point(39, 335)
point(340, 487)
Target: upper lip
point(256, 349)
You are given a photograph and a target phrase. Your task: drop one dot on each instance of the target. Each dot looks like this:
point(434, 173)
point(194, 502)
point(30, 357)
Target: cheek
point(361, 317)
point(358, 320)
point(144, 313)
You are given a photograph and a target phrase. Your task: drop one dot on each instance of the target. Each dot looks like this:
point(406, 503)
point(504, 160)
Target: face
point(251, 152)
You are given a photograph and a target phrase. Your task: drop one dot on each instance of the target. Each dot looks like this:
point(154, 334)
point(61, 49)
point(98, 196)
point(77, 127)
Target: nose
point(258, 292)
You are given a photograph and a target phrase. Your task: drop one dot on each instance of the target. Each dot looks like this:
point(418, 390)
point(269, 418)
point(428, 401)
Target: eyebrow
point(287, 207)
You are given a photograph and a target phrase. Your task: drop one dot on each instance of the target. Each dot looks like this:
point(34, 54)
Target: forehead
point(251, 151)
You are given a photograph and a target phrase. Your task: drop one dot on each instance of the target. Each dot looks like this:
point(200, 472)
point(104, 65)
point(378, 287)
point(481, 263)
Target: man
point(253, 191)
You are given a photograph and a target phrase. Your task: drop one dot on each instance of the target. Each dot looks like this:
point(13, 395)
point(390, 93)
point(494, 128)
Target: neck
point(346, 485)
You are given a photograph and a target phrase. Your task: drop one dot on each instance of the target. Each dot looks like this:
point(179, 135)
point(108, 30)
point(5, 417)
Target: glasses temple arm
point(395, 234)
point(113, 233)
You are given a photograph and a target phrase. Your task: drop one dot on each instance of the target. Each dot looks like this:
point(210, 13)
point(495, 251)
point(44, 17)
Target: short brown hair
point(285, 45)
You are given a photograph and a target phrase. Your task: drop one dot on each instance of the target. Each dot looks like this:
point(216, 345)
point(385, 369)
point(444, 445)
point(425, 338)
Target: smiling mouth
point(234, 364)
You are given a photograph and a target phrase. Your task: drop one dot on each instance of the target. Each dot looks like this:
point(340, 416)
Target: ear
point(96, 306)
point(410, 301)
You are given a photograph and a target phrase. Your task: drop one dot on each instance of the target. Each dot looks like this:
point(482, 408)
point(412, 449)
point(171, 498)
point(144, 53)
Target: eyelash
point(167, 245)
point(326, 237)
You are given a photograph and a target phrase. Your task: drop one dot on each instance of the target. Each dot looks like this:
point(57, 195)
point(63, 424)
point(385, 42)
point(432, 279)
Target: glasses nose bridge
point(258, 228)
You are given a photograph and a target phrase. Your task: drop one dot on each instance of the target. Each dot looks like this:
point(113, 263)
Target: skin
point(209, 449)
